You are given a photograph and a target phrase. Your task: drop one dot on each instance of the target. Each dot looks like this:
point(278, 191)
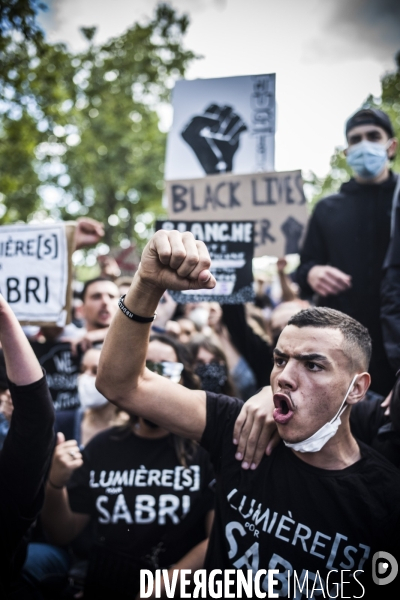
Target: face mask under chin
point(317, 441)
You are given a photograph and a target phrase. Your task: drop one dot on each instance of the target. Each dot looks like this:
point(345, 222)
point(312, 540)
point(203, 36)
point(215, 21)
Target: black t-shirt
point(24, 462)
point(62, 370)
point(138, 493)
point(370, 424)
point(290, 516)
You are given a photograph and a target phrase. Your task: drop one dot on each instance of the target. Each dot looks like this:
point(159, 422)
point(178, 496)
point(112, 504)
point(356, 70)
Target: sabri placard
point(34, 271)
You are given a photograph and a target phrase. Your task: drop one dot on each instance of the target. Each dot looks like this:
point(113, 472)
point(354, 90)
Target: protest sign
point(222, 125)
point(231, 246)
point(62, 370)
point(34, 271)
point(127, 259)
point(275, 201)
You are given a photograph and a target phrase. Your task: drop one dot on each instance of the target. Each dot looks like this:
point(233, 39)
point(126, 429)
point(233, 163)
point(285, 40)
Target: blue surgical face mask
point(367, 159)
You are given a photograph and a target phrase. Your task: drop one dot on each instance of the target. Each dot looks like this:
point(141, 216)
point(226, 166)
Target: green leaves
point(80, 132)
point(20, 15)
point(340, 171)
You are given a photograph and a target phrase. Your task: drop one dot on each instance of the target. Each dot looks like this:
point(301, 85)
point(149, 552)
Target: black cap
point(370, 116)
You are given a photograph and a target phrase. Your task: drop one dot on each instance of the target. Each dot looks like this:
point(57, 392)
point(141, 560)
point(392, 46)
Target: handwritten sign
point(275, 201)
point(231, 246)
point(34, 271)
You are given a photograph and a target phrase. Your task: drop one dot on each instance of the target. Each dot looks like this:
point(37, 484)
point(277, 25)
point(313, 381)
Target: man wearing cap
point(349, 233)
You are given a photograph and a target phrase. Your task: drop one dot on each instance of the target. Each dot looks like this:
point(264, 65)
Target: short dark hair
point(88, 283)
point(355, 335)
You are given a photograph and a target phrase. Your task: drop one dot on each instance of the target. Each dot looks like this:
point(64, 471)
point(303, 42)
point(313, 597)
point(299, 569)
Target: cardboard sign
point(231, 246)
point(275, 201)
point(222, 125)
point(34, 271)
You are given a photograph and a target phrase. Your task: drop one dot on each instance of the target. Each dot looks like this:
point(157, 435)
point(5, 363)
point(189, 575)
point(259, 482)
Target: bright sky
point(328, 55)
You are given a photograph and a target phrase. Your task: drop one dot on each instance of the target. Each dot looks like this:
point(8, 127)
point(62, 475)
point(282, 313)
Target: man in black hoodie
point(349, 233)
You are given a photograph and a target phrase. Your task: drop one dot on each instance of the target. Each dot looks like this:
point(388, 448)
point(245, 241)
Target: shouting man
point(319, 508)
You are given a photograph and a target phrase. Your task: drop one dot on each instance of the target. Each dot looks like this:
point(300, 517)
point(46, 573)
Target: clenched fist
point(176, 261)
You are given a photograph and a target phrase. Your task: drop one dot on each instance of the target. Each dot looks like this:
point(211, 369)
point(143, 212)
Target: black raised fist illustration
point(214, 137)
point(292, 230)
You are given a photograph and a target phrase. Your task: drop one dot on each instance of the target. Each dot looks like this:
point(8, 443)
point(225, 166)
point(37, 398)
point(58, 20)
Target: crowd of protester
point(73, 520)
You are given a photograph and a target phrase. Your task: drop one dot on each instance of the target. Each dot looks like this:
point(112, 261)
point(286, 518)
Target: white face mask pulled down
point(89, 396)
point(318, 440)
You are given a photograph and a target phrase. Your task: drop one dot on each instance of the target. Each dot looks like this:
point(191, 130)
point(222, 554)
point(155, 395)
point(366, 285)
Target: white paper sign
point(34, 271)
point(224, 125)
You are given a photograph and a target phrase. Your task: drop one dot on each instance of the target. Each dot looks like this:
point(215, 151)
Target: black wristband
point(132, 315)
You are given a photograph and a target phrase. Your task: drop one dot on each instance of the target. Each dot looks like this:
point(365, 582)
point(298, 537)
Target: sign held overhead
point(231, 246)
point(34, 261)
point(275, 201)
point(222, 125)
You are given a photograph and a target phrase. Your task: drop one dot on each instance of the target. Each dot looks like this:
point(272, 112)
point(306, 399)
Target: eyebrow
point(372, 133)
point(303, 357)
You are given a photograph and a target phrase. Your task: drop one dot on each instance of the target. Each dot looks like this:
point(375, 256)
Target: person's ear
point(392, 148)
point(360, 388)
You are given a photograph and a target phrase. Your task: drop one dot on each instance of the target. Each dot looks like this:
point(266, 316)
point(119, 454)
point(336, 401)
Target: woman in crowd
point(47, 565)
point(242, 374)
point(136, 483)
point(95, 413)
point(210, 365)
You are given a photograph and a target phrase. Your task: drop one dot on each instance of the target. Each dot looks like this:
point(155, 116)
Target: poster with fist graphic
point(224, 125)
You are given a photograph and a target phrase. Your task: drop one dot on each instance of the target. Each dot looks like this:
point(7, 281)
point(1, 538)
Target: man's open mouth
point(283, 408)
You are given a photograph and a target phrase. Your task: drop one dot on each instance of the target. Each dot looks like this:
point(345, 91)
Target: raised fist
point(214, 137)
point(176, 261)
point(87, 232)
point(292, 230)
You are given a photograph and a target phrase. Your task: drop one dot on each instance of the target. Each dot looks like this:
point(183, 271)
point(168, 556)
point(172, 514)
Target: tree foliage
point(79, 132)
point(391, 102)
point(20, 15)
